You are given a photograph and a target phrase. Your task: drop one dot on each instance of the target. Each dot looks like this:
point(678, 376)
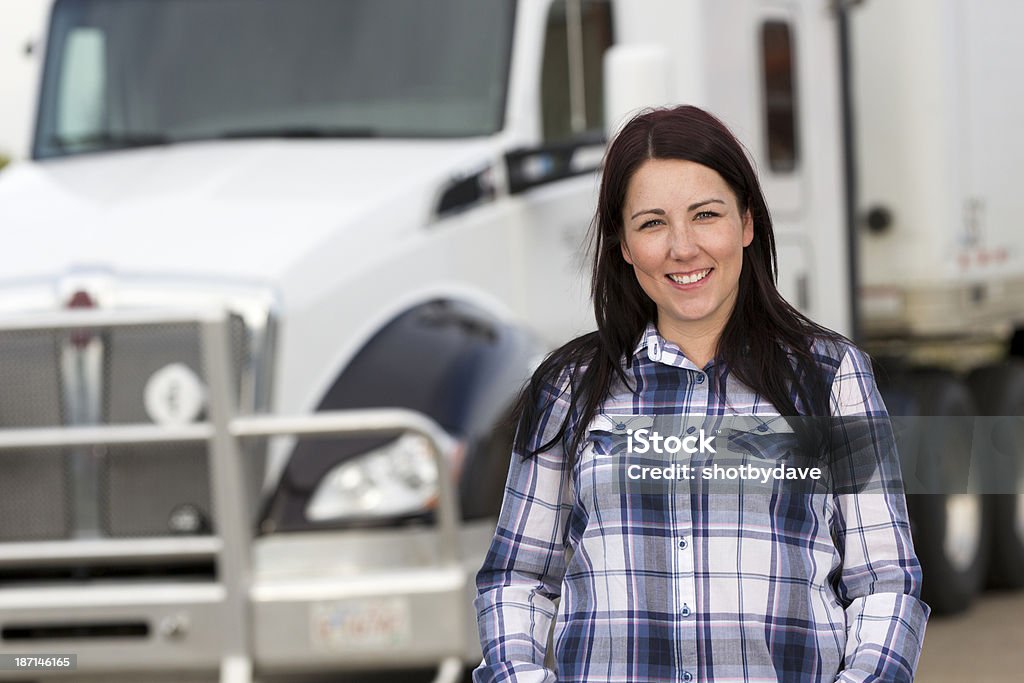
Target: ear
point(748, 228)
point(625, 252)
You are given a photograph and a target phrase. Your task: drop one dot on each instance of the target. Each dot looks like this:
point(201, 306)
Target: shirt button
point(687, 676)
point(686, 610)
point(700, 379)
point(691, 429)
point(683, 544)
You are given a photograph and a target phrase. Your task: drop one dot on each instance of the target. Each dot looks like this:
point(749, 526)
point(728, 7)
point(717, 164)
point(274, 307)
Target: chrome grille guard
point(222, 430)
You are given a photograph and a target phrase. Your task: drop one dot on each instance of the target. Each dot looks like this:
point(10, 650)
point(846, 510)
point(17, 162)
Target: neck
point(697, 345)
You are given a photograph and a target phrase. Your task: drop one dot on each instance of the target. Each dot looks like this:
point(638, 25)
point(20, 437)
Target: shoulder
point(831, 353)
point(559, 372)
point(850, 376)
point(551, 393)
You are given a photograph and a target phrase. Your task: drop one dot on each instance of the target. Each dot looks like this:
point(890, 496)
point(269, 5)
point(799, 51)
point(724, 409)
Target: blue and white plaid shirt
point(696, 587)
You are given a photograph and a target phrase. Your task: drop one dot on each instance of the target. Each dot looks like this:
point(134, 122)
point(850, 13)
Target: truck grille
point(100, 492)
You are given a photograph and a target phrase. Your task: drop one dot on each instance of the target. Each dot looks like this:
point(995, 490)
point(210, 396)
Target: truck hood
point(240, 209)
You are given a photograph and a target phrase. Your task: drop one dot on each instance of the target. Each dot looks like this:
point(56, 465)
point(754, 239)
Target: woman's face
point(684, 236)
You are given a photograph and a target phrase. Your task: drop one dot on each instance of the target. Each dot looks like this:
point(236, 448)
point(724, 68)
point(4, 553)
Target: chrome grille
point(142, 487)
point(135, 353)
point(34, 496)
point(115, 492)
point(33, 484)
point(30, 383)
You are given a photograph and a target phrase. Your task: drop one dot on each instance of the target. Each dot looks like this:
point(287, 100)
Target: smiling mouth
point(689, 278)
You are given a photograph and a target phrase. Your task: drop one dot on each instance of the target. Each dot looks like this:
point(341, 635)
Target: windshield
point(124, 73)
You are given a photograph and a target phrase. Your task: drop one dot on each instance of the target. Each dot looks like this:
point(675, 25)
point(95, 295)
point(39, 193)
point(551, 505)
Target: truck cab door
point(559, 205)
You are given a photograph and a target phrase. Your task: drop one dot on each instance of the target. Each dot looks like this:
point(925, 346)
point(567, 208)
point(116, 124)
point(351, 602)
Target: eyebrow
point(691, 207)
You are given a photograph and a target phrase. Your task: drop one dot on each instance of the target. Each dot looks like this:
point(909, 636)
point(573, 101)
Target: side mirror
point(635, 77)
point(547, 163)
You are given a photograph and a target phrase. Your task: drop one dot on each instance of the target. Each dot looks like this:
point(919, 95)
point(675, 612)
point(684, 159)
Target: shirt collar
point(660, 350)
point(649, 341)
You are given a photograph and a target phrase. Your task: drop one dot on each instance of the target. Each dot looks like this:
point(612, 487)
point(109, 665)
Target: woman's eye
point(653, 221)
point(706, 214)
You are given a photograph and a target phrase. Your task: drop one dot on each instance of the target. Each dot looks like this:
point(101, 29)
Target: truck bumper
point(319, 602)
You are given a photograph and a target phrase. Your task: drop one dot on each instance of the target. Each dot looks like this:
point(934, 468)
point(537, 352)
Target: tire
point(999, 391)
point(952, 534)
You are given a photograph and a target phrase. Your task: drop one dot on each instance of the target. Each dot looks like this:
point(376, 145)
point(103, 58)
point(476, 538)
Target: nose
point(682, 244)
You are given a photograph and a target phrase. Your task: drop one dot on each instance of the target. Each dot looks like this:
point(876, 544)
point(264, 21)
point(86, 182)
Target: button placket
point(685, 589)
point(686, 597)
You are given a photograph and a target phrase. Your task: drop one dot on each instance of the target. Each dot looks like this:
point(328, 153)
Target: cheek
point(643, 254)
point(730, 250)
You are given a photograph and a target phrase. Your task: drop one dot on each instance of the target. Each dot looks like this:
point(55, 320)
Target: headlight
point(397, 479)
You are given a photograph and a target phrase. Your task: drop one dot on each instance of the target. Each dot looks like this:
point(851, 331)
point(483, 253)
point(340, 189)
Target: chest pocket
point(600, 476)
point(794, 443)
point(609, 435)
point(769, 439)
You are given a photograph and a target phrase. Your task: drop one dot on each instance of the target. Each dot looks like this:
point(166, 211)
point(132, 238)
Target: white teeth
point(690, 279)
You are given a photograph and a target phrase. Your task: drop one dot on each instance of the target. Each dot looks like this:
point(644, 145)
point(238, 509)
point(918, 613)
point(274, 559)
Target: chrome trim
point(56, 553)
point(230, 501)
point(66, 599)
point(42, 437)
point(81, 372)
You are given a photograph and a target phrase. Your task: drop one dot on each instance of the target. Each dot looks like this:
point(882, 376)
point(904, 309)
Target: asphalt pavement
point(983, 645)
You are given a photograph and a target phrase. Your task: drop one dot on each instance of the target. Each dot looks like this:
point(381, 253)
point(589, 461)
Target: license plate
point(357, 624)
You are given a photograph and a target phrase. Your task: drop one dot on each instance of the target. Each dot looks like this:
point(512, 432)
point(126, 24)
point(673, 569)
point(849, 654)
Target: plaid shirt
point(696, 587)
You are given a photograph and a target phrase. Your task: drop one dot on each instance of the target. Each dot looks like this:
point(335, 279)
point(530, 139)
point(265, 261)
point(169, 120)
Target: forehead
point(669, 182)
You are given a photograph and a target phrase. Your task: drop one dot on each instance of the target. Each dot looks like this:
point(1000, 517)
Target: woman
point(680, 584)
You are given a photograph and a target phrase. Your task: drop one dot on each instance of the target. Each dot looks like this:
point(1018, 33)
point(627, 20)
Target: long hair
point(766, 343)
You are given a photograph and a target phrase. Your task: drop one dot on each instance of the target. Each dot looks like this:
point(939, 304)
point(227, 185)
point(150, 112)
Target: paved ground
point(985, 645)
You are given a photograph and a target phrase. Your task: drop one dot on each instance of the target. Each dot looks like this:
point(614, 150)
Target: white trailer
point(385, 201)
point(939, 150)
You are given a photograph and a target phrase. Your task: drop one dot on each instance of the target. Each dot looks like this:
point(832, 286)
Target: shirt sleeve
point(522, 574)
point(880, 577)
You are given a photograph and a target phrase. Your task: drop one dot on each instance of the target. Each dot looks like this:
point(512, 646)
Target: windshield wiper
point(300, 132)
point(107, 139)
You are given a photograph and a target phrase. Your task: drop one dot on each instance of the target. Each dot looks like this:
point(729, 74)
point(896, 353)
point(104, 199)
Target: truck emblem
point(81, 300)
point(174, 395)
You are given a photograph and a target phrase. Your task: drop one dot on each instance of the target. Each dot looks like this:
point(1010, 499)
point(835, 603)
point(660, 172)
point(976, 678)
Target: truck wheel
point(951, 530)
point(999, 390)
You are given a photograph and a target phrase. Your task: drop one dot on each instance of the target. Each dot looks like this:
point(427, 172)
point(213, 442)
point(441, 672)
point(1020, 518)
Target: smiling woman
point(685, 582)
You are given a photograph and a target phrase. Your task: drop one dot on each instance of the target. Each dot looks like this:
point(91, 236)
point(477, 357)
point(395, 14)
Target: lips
point(690, 278)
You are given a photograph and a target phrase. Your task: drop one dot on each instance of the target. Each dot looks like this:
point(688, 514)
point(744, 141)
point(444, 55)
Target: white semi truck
point(276, 269)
